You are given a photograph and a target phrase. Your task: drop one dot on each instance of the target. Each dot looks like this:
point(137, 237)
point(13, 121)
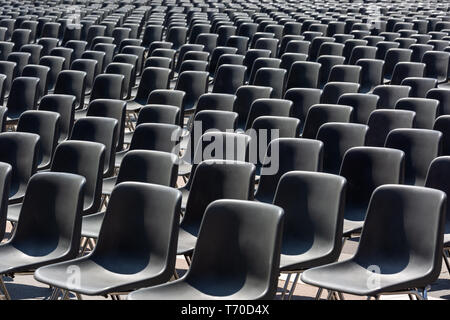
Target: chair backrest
point(107, 86)
point(401, 211)
point(72, 82)
point(421, 146)
point(20, 150)
point(268, 107)
point(50, 216)
point(362, 103)
point(86, 159)
point(149, 166)
point(156, 136)
point(426, 110)
point(151, 213)
point(293, 154)
point(229, 264)
point(65, 106)
point(337, 138)
point(102, 130)
point(313, 205)
point(214, 180)
point(381, 122)
point(22, 97)
point(46, 125)
point(322, 113)
point(367, 168)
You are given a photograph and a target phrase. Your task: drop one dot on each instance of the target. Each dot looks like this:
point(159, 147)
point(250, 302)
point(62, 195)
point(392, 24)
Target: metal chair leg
point(4, 289)
point(319, 293)
point(341, 296)
point(286, 282)
point(291, 292)
point(444, 256)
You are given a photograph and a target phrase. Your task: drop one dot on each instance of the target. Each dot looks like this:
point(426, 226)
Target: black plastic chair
point(98, 56)
point(322, 113)
point(88, 66)
point(66, 53)
point(426, 110)
point(126, 70)
point(236, 182)
point(47, 45)
point(394, 56)
point(40, 72)
point(337, 138)
point(390, 94)
point(72, 82)
point(47, 232)
point(107, 86)
point(365, 169)
point(84, 158)
point(419, 86)
point(7, 68)
point(403, 70)
point(293, 154)
point(153, 262)
point(371, 74)
point(400, 211)
point(34, 50)
point(327, 63)
point(332, 91)
point(362, 103)
point(5, 183)
point(22, 97)
point(228, 214)
point(312, 232)
point(268, 107)
point(436, 65)
point(21, 59)
point(420, 146)
point(46, 125)
point(245, 96)
point(168, 97)
point(65, 106)
point(56, 65)
point(228, 78)
point(194, 84)
point(381, 122)
point(303, 74)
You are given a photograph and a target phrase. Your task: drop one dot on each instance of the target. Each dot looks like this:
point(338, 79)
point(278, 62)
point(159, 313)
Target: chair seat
point(186, 242)
point(92, 224)
point(14, 212)
point(298, 257)
point(29, 256)
point(353, 278)
point(97, 280)
point(184, 168)
point(108, 185)
point(182, 290)
point(351, 227)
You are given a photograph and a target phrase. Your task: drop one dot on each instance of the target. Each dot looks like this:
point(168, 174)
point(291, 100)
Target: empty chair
point(108, 49)
point(302, 100)
point(337, 138)
point(362, 104)
point(47, 232)
point(20, 150)
point(268, 107)
point(415, 261)
point(316, 43)
point(78, 48)
point(162, 248)
point(390, 94)
point(88, 66)
point(268, 44)
point(21, 59)
point(168, 97)
point(298, 46)
point(436, 65)
point(331, 48)
point(5, 49)
point(443, 96)
point(381, 122)
point(245, 96)
point(419, 86)
point(47, 45)
point(362, 52)
point(313, 231)
point(294, 154)
point(394, 56)
point(345, 73)
point(72, 82)
point(404, 70)
point(46, 125)
point(327, 63)
point(288, 59)
point(177, 35)
point(126, 70)
point(40, 72)
point(152, 33)
point(34, 50)
point(238, 42)
point(98, 56)
point(66, 53)
point(263, 63)
point(152, 78)
point(153, 136)
point(107, 86)
point(303, 74)
point(251, 56)
point(420, 146)
point(349, 45)
point(229, 214)
point(286, 39)
point(56, 65)
point(365, 169)
point(102, 130)
point(50, 30)
point(333, 90)
point(22, 97)
point(228, 78)
point(64, 105)
point(271, 77)
point(137, 51)
point(194, 84)
point(215, 101)
point(371, 74)
point(322, 113)
point(20, 37)
point(418, 50)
